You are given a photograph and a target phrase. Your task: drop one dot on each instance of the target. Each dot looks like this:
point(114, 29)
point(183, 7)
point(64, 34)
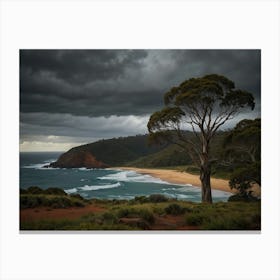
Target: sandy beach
point(178, 177)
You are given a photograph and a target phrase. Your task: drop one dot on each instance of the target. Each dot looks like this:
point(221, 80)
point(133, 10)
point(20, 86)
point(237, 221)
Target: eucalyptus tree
point(203, 104)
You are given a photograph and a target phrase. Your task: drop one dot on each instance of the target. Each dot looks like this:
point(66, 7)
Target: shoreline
point(178, 177)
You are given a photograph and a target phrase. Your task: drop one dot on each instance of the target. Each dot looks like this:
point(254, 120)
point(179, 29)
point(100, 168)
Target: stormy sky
point(72, 97)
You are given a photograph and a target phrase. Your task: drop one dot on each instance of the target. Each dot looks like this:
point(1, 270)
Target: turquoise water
point(101, 183)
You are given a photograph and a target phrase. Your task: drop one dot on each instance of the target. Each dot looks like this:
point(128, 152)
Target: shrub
point(34, 190)
point(141, 199)
point(31, 201)
point(55, 191)
point(77, 196)
point(157, 198)
point(227, 223)
point(133, 212)
point(242, 197)
point(194, 219)
point(174, 209)
point(109, 218)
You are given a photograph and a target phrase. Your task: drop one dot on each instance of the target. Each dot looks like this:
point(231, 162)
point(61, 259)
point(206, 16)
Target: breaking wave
point(132, 176)
point(99, 187)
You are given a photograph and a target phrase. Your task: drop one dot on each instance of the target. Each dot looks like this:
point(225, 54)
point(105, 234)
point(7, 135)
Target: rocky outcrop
point(77, 159)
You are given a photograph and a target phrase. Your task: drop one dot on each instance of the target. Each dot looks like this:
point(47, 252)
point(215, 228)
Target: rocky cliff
point(77, 159)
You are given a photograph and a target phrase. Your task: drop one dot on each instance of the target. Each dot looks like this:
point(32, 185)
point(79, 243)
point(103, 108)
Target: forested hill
point(132, 150)
point(112, 152)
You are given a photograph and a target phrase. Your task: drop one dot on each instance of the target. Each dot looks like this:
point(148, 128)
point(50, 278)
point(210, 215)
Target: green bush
point(76, 195)
point(109, 218)
point(157, 198)
point(132, 212)
point(227, 223)
point(34, 190)
point(194, 219)
point(31, 201)
point(174, 209)
point(55, 191)
point(141, 199)
point(246, 197)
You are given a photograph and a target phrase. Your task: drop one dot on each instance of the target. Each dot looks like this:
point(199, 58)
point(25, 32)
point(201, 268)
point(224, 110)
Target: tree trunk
point(205, 173)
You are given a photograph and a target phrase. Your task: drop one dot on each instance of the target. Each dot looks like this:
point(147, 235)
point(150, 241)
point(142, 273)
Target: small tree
point(204, 104)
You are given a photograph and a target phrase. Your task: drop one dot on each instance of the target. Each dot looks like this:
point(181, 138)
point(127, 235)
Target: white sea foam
point(132, 176)
point(119, 197)
point(100, 187)
point(84, 169)
point(71, 190)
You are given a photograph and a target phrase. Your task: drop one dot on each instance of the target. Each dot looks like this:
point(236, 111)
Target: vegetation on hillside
point(118, 151)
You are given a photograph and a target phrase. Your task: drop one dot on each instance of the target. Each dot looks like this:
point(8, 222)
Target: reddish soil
point(166, 222)
point(44, 213)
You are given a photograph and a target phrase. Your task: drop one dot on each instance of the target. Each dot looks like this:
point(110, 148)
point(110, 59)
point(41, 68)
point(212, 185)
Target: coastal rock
point(77, 159)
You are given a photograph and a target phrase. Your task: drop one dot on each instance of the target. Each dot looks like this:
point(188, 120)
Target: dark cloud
point(122, 82)
point(79, 95)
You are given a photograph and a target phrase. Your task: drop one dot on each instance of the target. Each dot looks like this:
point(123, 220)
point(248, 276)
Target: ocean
point(101, 183)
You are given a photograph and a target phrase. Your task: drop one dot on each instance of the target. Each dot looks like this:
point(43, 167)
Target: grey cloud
point(122, 82)
point(79, 127)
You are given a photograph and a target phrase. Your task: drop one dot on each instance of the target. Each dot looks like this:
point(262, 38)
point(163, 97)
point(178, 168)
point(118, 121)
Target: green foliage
point(77, 196)
point(174, 209)
point(51, 197)
point(243, 178)
point(136, 212)
point(225, 216)
point(243, 143)
point(53, 201)
point(55, 191)
point(195, 219)
point(37, 190)
point(168, 156)
point(124, 149)
point(34, 190)
point(246, 197)
point(155, 198)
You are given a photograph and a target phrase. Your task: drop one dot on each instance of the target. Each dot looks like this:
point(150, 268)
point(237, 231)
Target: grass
point(143, 213)
point(226, 216)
